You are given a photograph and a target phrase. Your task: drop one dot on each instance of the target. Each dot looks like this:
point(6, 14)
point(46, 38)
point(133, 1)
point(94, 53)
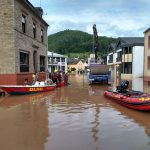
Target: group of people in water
point(56, 77)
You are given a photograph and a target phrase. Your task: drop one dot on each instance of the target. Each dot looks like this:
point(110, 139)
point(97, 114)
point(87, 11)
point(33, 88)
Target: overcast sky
point(113, 18)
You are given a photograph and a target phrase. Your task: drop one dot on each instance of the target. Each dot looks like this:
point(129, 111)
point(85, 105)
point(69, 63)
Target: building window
point(126, 68)
point(62, 59)
point(24, 62)
point(58, 59)
point(148, 42)
point(148, 63)
point(127, 50)
point(34, 30)
point(130, 50)
point(42, 63)
point(110, 59)
point(23, 23)
point(42, 35)
point(119, 56)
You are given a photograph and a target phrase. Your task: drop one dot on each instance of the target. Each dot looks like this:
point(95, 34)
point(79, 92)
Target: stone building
point(23, 42)
point(147, 54)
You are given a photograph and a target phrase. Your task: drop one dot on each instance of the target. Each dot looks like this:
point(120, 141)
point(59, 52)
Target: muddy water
point(76, 117)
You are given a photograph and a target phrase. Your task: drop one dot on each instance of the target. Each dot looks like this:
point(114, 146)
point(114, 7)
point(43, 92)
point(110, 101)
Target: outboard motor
point(122, 88)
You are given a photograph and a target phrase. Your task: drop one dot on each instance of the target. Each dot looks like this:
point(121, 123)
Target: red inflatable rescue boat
point(135, 100)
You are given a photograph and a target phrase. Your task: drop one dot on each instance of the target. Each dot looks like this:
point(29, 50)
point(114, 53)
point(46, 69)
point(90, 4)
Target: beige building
point(23, 40)
point(147, 54)
point(77, 64)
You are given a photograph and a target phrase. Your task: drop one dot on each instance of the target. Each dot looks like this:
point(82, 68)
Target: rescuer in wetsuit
point(122, 88)
point(54, 78)
point(65, 78)
point(59, 76)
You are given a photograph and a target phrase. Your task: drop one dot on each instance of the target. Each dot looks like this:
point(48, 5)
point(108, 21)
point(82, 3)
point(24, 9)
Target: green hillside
point(73, 41)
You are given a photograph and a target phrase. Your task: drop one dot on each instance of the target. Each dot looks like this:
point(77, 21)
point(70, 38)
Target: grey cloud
point(113, 17)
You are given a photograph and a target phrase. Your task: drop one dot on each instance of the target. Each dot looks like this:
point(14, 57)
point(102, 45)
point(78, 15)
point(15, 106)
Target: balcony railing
point(127, 58)
point(52, 62)
point(61, 63)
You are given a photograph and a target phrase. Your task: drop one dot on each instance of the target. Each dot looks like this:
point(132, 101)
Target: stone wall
point(146, 54)
point(26, 42)
point(7, 51)
point(12, 40)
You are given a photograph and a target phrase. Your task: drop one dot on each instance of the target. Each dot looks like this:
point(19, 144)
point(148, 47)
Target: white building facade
point(127, 57)
point(138, 61)
point(57, 62)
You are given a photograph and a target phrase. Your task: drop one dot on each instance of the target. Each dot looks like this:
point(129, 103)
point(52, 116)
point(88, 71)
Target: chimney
point(39, 11)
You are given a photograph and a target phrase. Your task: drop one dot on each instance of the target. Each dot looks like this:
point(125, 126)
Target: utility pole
point(95, 42)
point(52, 59)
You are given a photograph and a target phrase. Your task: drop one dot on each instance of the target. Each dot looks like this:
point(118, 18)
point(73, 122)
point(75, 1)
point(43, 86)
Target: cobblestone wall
point(7, 51)
point(13, 40)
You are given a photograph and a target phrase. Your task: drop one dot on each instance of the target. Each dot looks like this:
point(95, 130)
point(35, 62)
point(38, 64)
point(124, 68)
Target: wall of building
point(78, 66)
point(7, 51)
point(146, 54)
point(12, 40)
point(126, 76)
point(114, 57)
point(26, 41)
point(137, 84)
point(59, 65)
point(138, 61)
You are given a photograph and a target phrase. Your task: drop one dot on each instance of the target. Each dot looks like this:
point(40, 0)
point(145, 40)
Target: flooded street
point(76, 117)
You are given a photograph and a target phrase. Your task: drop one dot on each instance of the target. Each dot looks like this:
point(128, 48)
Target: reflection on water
point(75, 117)
point(137, 84)
point(23, 123)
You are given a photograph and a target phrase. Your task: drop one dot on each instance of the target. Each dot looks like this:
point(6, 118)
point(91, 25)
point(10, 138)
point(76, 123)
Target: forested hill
point(73, 41)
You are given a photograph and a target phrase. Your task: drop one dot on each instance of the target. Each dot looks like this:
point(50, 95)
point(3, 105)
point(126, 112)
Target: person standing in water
point(66, 78)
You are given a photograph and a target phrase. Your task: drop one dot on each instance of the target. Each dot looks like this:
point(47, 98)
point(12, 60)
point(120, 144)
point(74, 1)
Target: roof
point(35, 11)
point(72, 61)
point(111, 48)
point(125, 42)
point(52, 54)
point(147, 30)
point(131, 41)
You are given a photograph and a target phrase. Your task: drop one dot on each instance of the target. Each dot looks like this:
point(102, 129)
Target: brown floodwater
point(76, 117)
